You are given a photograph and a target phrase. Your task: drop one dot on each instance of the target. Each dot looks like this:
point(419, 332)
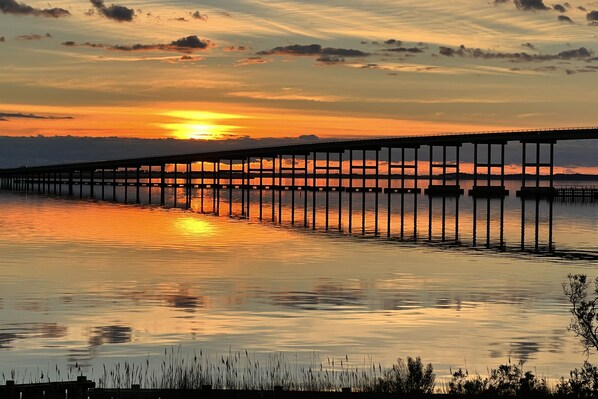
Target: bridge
point(348, 184)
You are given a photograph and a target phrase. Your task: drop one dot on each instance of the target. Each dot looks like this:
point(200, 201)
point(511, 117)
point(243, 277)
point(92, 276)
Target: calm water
point(96, 283)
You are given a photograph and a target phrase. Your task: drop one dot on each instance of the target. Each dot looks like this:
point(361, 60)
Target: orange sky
point(237, 68)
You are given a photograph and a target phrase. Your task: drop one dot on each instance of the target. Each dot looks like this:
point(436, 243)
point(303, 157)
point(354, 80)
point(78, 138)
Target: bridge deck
point(339, 146)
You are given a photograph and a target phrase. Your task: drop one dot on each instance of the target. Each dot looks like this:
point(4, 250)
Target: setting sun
point(202, 125)
point(199, 131)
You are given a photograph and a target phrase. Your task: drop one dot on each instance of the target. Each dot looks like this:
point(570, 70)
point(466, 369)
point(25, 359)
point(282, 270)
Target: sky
point(227, 69)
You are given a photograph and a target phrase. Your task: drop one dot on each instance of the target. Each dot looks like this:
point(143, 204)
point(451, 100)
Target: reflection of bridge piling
point(346, 180)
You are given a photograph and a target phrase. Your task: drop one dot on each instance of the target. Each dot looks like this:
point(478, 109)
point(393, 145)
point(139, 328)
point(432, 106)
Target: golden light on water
point(194, 226)
point(202, 125)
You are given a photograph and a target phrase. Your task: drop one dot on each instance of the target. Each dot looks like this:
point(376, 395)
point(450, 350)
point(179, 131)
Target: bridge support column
point(350, 225)
point(162, 184)
point(488, 190)
point(305, 189)
point(538, 167)
point(91, 183)
point(175, 184)
point(70, 183)
point(280, 187)
point(114, 184)
point(403, 167)
point(103, 179)
point(202, 182)
point(244, 202)
point(444, 189)
point(138, 184)
point(80, 184)
point(293, 160)
point(315, 188)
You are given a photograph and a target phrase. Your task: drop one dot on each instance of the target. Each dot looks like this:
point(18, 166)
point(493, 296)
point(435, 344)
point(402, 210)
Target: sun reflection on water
point(196, 227)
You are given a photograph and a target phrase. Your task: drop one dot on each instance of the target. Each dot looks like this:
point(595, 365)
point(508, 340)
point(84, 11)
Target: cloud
point(446, 51)
point(581, 70)
point(313, 49)
point(575, 54)
point(12, 7)
point(394, 69)
point(198, 15)
point(330, 59)
point(251, 61)
point(233, 48)
point(393, 42)
point(564, 18)
point(406, 50)
point(288, 94)
point(530, 5)
point(4, 116)
point(114, 12)
point(184, 45)
point(174, 60)
point(559, 8)
point(33, 37)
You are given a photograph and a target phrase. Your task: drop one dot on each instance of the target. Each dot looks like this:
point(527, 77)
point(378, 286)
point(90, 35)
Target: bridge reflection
point(513, 224)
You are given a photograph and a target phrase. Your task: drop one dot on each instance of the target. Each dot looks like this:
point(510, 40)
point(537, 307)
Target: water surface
point(92, 283)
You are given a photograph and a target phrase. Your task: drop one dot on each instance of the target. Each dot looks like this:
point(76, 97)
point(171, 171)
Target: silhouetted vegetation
point(584, 322)
point(507, 380)
point(406, 378)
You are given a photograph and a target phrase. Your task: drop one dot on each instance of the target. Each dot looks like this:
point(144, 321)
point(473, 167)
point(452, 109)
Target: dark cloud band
point(313, 49)
point(12, 7)
point(575, 54)
point(184, 45)
point(18, 115)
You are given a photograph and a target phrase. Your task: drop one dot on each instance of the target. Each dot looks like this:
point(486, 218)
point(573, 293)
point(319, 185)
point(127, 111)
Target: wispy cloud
point(187, 44)
point(5, 116)
point(12, 7)
point(251, 61)
point(34, 37)
point(288, 95)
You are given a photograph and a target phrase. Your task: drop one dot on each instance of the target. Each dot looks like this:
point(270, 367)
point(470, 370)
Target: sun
point(200, 125)
point(199, 131)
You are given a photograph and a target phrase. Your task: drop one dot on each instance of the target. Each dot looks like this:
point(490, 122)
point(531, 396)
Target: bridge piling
point(305, 186)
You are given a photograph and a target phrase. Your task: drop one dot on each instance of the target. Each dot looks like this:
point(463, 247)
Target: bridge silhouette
point(371, 186)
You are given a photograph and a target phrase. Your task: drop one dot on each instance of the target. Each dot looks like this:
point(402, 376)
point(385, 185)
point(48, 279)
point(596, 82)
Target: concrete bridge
point(313, 181)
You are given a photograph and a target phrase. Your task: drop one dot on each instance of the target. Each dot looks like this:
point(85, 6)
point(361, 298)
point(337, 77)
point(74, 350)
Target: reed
point(241, 370)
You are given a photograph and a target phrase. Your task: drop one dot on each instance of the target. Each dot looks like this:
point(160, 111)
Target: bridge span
point(332, 182)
